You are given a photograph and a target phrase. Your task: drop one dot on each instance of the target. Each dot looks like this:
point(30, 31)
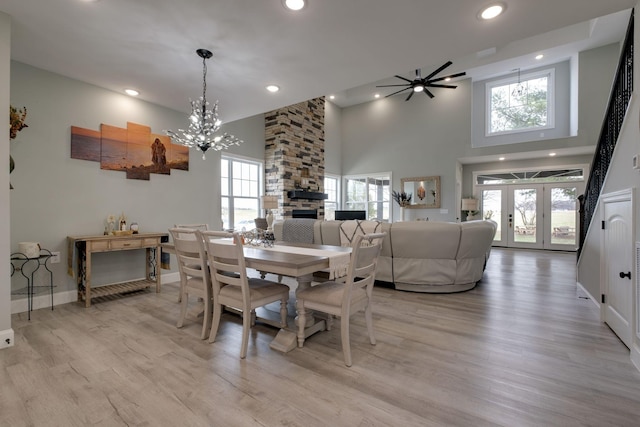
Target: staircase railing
point(617, 107)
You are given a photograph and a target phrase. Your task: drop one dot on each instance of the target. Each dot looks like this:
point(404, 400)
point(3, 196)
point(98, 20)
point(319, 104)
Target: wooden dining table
point(290, 259)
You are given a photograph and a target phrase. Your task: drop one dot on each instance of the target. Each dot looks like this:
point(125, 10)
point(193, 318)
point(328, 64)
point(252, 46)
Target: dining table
point(299, 261)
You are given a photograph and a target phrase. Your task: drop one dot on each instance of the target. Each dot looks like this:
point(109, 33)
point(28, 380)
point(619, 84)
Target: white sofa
point(422, 256)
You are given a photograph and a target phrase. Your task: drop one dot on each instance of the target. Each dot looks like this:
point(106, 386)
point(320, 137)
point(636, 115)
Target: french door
point(538, 216)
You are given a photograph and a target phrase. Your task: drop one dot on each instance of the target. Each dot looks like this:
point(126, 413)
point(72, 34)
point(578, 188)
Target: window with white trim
point(332, 189)
point(240, 184)
point(520, 104)
point(370, 193)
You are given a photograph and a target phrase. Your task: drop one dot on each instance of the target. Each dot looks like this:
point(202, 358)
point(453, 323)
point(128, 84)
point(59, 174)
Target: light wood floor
point(521, 349)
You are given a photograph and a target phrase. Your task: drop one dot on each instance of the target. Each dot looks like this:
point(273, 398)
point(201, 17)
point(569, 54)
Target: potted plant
point(16, 122)
point(403, 199)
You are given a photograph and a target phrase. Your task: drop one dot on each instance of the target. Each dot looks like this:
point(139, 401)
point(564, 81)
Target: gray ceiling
point(340, 47)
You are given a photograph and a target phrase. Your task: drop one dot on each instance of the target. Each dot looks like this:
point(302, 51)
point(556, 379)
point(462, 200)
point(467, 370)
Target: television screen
point(344, 215)
point(305, 213)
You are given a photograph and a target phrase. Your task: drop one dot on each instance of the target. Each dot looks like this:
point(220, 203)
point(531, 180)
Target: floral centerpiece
point(16, 123)
point(403, 199)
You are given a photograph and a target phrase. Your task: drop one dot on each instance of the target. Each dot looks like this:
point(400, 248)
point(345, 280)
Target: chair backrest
point(365, 250)
point(201, 227)
point(226, 260)
point(261, 223)
point(190, 253)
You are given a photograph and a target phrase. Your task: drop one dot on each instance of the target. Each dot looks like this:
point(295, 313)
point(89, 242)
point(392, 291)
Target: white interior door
point(617, 263)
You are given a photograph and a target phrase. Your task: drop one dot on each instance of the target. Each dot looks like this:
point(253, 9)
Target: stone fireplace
point(294, 157)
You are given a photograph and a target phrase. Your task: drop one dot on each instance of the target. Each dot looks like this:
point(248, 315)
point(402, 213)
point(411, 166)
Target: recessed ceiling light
point(294, 4)
point(131, 92)
point(552, 154)
point(332, 97)
point(492, 11)
point(501, 158)
point(377, 95)
point(273, 88)
point(539, 57)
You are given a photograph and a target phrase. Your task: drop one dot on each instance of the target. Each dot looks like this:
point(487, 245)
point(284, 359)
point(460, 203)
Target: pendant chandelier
point(519, 90)
point(203, 122)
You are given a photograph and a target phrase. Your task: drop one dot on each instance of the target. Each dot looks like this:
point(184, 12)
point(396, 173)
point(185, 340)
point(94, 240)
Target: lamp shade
point(269, 202)
point(469, 204)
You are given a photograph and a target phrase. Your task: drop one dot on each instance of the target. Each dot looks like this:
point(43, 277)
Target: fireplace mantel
point(308, 195)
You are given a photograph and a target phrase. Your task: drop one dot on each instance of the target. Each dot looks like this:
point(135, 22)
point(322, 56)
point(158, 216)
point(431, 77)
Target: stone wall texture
point(294, 155)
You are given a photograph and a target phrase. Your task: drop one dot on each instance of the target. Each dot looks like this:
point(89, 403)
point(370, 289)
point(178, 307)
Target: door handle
point(627, 275)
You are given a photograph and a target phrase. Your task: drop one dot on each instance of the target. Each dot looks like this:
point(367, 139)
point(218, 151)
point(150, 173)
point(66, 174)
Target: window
point(240, 184)
point(332, 188)
point(370, 193)
point(520, 104)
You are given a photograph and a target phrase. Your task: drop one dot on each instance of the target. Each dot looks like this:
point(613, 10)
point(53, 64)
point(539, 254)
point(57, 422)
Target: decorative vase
point(401, 214)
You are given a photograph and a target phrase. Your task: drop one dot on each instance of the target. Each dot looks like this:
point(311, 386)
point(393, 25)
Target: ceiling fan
point(420, 84)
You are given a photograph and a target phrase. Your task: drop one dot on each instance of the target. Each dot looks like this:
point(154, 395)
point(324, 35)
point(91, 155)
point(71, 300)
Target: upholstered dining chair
point(194, 274)
point(344, 298)
point(233, 288)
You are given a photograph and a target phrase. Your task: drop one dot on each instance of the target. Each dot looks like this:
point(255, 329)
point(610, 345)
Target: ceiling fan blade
point(401, 90)
point(404, 84)
point(410, 95)
point(428, 93)
point(403, 78)
point(438, 70)
point(452, 76)
point(443, 86)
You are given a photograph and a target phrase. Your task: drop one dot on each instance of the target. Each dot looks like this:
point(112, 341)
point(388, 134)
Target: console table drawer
point(126, 244)
point(98, 245)
point(150, 241)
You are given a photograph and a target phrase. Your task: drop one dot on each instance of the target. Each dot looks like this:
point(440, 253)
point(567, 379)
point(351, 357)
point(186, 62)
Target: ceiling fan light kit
point(421, 84)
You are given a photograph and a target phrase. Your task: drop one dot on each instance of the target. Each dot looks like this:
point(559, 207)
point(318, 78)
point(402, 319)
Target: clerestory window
point(520, 104)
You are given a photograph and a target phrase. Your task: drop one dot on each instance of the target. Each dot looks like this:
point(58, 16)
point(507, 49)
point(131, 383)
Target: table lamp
point(470, 205)
point(269, 203)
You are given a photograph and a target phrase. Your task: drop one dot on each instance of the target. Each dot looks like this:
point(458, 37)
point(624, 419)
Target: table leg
point(87, 279)
point(287, 339)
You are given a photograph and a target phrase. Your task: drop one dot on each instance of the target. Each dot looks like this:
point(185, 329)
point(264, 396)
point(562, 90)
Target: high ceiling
point(340, 47)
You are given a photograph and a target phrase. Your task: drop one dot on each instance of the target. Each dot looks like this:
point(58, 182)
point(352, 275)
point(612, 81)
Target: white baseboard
point(170, 277)
point(44, 300)
point(583, 293)
point(6, 338)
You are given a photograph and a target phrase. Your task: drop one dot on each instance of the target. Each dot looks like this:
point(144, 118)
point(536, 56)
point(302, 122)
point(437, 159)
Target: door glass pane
point(563, 216)
point(492, 209)
point(524, 215)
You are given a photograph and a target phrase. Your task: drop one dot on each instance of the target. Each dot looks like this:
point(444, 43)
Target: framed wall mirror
point(425, 191)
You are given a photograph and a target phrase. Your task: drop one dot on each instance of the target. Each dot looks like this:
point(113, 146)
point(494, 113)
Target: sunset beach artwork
point(135, 150)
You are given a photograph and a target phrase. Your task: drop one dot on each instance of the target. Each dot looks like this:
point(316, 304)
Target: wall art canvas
point(135, 150)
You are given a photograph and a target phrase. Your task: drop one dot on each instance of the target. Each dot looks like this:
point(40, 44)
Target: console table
point(81, 248)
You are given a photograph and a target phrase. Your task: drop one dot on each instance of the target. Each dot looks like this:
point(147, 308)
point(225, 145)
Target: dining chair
point(201, 227)
point(194, 274)
point(233, 288)
point(343, 298)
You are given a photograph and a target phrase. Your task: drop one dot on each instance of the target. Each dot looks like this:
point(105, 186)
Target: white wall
point(426, 136)
point(5, 247)
point(56, 196)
